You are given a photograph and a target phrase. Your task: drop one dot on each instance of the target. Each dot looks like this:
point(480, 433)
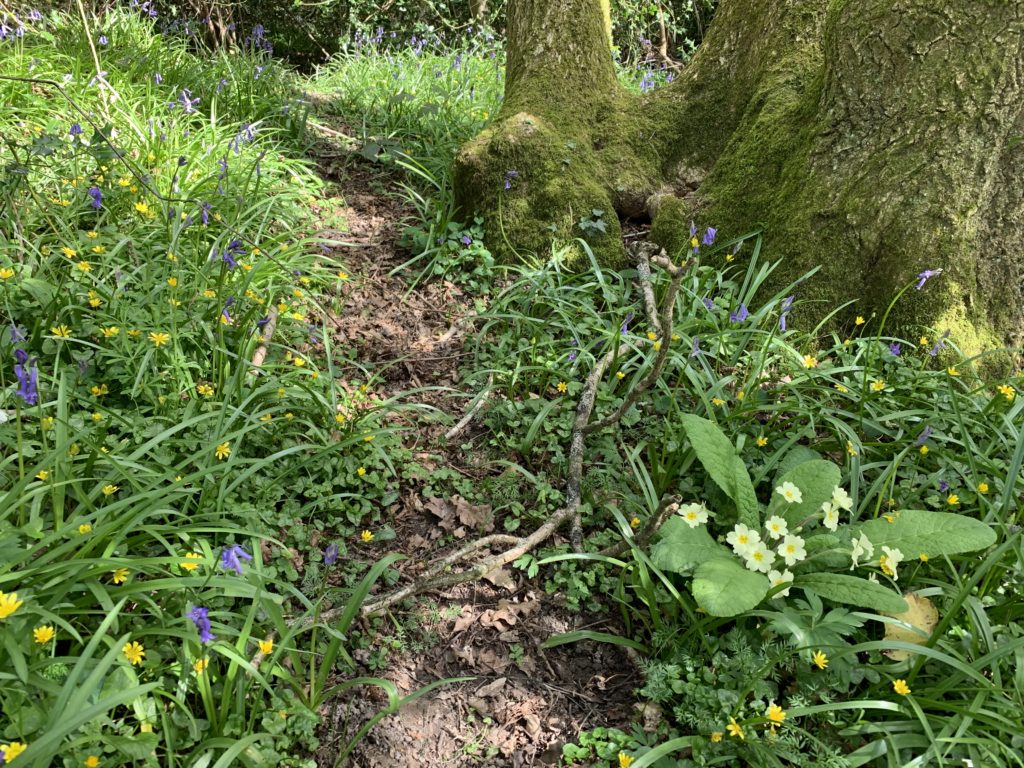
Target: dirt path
point(523, 702)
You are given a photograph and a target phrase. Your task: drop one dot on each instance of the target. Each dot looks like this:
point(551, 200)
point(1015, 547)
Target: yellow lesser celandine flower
point(741, 395)
point(208, 294)
point(651, 335)
point(859, 321)
point(92, 234)
point(191, 561)
point(923, 557)
point(43, 634)
point(142, 208)
point(120, 576)
point(43, 474)
point(110, 489)
point(562, 386)
point(84, 266)
point(84, 528)
point(901, 687)
point(134, 652)
point(99, 249)
point(205, 390)
point(634, 522)
point(92, 761)
point(735, 729)
point(366, 536)
point(952, 371)
point(110, 331)
point(923, 450)
point(775, 714)
point(200, 665)
point(172, 281)
point(820, 659)
point(368, 438)
point(1007, 391)
point(222, 451)
point(361, 471)
point(69, 252)
point(98, 390)
point(158, 338)
point(851, 448)
point(9, 603)
point(841, 389)
point(266, 646)
point(716, 736)
point(625, 760)
point(952, 499)
point(877, 385)
point(267, 417)
point(761, 441)
point(343, 275)
point(717, 401)
point(620, 375)
point(12, 750)
point(97, 417)
point(134, 332)
point(61, 331)
point(340, 418)
point(299, 362)
point(6, 273)
point(809, 361)
point(982, 487)
point(46, 422)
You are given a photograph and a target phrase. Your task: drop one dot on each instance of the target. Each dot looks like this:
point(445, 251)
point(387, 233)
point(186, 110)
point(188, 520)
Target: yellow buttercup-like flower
point(200, 665)
point(43, 474)
point(191, 561)
point(61, 331)
point(110, 331)
point(110, 489)
point(9, 603)
point(120, 576)
point(158, 338)
point(820, 659)
point(877, 385)
point(625, 760)
point(775, 714)
point(205, 390)
point(134, 652)
point(901, 687)
point(43, 634)
point(12, 750)
point(366, 536)
point(6, 273)
point(266, 646)
point(92, 761)
point(735, 729)
point(84, 528)
point(1007, 392)
point(222, 451)
point(809, 361)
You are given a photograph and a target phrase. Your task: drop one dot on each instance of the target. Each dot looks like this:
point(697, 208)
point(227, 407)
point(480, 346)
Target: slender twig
point(268, 333)
point(477, 405)
point(668, 506)
point(643, 272)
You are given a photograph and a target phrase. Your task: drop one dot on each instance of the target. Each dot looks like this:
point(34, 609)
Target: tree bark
point(878, 138)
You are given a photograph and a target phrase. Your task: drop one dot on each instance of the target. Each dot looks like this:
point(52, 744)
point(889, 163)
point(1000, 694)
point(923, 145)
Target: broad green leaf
point(682, 548)
point(816, 480)
point(822, 547)
point(794, 457)
point(916, 531)
point(137, 747)
point(852, 590)
point(716, 452)
point(723, 587)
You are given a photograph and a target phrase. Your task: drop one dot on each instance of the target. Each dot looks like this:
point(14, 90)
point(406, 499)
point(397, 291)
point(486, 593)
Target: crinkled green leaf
point(681, 548)
point(723, 587)
point(852, 590)
point(718, 456)
point(916, 531)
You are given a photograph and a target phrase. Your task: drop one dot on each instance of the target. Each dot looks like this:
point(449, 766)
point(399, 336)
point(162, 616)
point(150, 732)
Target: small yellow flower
point(209, 294)
point(98, 390)
point(120, 576)
point(99, 249)
point(12, 750)
point(877, 385)
point(84, 266)
point(369, 438)
point(61, 331)
point(901, 687)
point(134, 332)
point(952, 499)
point(110, 331)
point(716, 401)
point(222, 451)
point(859, 321)
point(299, 362)
point(851, 449)
point(716, 736)
point(761, 441)
point(562, 386)
point(361, 471)
point(952, 371)
point(97, 417)
point(620, 375)
point(200, 665)
point(69, 252)
point(43, 634)
point(92, 761)
point(923, 557)
point(652, 336)
point(841, 389)
point(205, 390)
point(634, 522)
point(92, 234)
point(266, 646)
point(266, 417)
point(84, 528)
point(366, 536)
point(142, 208)
point(923, 341)
point(43, 474)
point(983, 487)
point(775, 714)
point(191, 561)
point(159, 338)
point(134, 652)
point(625, 760)
point(1007, 392)
point(342, 275)
point(6, 273)
point(735, 729)
point(46, 422)
point(340, 418)
point(741, 395)
point(110, 490)
point(9, 603)
point(809, 361)
point(923, 450)
point(172, 281)
point(171, 256)
point(820, 659)
point(289, 415)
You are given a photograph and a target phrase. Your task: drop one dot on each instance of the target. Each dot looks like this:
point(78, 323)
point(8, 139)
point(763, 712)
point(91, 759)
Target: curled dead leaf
point(921, 616)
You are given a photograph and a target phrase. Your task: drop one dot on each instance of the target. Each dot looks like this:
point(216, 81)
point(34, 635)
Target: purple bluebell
point(467, 240)
point(223, 163)
point(97, 197)
point(895, 349)
point(647, 82)
point(509, 176)
point(235, 248)
point(331, 554)
point(939, 344)
point(924, 277)
point(158, 78)
point(103, 40)
point(27, 376)
point(693, 230)
point(204, 213)
point(787, 304)
point(739, 315)
point(18, 334)
point(709, 236)
point(76, 130)
point(201, 618)
point(709, 303)
point(923, 437)
point(188, 104)
point(222, 84)
point(231, 557)
point(695, 347)
point(943, 486)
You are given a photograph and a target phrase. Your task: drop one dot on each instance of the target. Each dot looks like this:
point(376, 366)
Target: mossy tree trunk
point(878, 138)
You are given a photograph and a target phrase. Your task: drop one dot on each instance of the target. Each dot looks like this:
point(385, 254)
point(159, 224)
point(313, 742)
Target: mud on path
point(523, 702)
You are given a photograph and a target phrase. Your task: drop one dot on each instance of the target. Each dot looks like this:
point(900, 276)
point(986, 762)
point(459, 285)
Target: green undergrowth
point(911, 443)
point(177, 505)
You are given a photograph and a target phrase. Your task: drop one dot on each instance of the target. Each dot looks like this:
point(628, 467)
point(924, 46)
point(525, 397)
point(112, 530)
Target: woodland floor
point(523, 702)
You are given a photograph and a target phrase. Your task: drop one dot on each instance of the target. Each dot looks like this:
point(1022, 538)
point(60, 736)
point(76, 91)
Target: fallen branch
point(477, 405)
point(268, 333)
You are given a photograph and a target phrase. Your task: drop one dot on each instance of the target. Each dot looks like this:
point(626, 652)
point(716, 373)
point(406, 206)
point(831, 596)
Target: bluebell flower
point(695, 347)
point(27, 376)
point(647, 82)
point(943, 486)
point(467, 240)
point(76, 130)
point(923, 437)
point(158, 78)
point(739, 315)
point(709, 236)
point(231, 557)
point(895, 349)
point(201, 618)
point(708, 303)
point(924, 277)
point(103, 40)
point(97, 197)
point(235, 248)
point(939, 345)
point(187, 102)
point(787, 304)
point(331, 554)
